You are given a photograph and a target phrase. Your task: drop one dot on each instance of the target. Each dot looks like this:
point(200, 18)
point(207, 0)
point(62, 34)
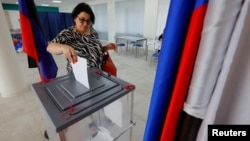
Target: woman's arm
point(68, 51)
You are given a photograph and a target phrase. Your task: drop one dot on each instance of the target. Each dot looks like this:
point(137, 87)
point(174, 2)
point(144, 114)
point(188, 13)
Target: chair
point(120, 46)
point(155, 55)
point(132, 43)
point(138, 45)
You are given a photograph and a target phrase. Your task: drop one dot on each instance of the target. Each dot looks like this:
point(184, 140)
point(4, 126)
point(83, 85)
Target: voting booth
point(73, 112)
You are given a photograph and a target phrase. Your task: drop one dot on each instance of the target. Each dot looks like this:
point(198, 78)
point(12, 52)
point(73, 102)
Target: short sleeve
point(63, 37)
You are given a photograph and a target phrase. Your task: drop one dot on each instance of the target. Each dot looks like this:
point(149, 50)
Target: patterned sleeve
point(63, 37)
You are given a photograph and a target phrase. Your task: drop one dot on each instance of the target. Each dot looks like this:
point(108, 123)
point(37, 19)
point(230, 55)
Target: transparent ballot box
point(73, 112)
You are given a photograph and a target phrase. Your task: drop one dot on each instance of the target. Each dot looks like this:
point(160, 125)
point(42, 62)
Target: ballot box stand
point(73, 112)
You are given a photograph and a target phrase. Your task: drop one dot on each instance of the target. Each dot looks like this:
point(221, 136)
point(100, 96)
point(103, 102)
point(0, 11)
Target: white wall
point(11, 77)
point(150, 18)
point(101, 22)
point(111, 17)
point(162, 15)
point(12, 18)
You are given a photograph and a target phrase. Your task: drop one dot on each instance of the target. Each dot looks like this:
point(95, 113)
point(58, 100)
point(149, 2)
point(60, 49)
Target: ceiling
point(40, 2)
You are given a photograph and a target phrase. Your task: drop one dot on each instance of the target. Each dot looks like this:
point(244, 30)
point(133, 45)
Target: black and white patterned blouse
point(87, 46)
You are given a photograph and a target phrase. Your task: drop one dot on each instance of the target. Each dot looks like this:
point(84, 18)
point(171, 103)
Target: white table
point(136, 39)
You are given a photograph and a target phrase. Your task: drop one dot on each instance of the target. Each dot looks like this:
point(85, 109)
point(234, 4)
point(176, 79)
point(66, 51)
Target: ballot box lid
point(67, 101)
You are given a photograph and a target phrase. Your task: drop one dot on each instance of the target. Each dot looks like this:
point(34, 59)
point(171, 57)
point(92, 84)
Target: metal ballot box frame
point(69, 108)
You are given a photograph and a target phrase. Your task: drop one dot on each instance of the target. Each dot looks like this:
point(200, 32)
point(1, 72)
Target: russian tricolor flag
point(181, 34)
point(174, 36)
point(185, 70)
point(34, 42)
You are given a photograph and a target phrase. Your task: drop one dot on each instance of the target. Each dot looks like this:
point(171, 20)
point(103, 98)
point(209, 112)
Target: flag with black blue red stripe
point(34, 41)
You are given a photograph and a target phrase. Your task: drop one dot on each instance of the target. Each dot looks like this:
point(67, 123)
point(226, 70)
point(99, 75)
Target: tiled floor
point(21, 119)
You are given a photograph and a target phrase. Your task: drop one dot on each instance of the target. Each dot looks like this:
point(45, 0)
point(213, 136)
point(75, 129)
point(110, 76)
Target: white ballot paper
point(80, 71)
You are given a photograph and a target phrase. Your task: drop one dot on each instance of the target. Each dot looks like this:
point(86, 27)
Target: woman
point(80, 40)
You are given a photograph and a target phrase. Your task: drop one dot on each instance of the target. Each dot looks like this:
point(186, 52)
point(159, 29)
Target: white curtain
point(129, 17)
point(230, 100)
point(219, 23)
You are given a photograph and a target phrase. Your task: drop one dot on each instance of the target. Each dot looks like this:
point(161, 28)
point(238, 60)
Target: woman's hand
point(69, 53)
point(111, 46)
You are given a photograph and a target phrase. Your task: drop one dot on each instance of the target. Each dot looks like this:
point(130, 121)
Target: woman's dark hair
point(83, 7)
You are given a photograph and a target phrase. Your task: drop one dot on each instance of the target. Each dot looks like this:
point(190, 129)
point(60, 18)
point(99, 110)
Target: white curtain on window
point(129, 17)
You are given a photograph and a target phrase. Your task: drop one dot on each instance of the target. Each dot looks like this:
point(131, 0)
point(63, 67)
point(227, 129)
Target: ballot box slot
point(95, 102)
point(69, 92)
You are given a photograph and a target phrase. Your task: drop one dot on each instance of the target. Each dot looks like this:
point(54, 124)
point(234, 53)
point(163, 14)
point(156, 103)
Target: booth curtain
point(54, 22)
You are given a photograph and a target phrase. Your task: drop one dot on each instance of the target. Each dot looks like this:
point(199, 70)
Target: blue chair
point(157, 48)
point(138, 46)
point(132, 43)
point(120, 46)
point(155, 55)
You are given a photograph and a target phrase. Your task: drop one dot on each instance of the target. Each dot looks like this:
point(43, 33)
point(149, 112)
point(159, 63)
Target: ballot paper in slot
point(80, 71)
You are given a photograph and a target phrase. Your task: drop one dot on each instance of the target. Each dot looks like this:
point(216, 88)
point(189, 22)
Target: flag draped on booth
point(174, 35)
point(211, 83)
point(220, 20)
point(218, 26)
point(229, 102)
point(34, 42)
point(185, 71)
